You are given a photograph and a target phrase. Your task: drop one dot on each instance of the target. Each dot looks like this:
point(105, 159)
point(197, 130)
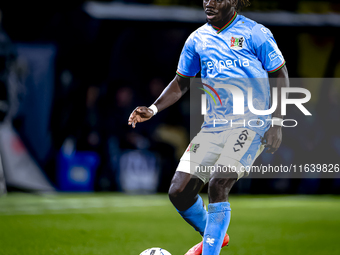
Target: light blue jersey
point(242, 49)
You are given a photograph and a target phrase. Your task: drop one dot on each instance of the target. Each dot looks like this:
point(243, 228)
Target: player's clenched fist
point(140, 114)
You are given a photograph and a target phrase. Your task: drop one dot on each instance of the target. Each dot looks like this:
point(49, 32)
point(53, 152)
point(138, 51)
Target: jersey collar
point(219, 30)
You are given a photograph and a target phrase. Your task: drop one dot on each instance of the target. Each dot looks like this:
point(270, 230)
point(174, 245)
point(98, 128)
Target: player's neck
point(232, 14)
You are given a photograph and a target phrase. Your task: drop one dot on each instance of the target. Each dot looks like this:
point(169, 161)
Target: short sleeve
point(266, 49)
point(189, 61)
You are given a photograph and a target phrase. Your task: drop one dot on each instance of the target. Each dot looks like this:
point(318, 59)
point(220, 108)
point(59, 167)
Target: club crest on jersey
point(236, 43)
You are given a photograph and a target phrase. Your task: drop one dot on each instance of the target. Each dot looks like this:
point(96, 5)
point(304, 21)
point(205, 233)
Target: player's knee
point(219, 184)
point(175, 192)
point(219, 188)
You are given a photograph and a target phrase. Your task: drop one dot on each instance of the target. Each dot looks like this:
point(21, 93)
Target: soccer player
point(227, 46)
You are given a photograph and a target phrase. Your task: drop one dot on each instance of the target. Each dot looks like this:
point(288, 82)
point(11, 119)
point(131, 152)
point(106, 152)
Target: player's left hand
point(273, 139)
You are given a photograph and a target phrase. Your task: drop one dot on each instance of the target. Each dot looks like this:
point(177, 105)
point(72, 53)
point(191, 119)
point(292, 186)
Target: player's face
point(218, 11)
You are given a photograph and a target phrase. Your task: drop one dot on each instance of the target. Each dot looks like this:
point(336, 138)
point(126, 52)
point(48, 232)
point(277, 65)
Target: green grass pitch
point(107, 224)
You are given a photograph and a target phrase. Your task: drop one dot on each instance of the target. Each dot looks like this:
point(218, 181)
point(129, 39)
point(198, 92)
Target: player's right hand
point(140, 114)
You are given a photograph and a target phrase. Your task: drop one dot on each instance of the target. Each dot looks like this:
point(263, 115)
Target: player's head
point(218, 11)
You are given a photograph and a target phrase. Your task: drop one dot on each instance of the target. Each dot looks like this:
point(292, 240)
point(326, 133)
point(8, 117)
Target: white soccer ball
point(155, 251)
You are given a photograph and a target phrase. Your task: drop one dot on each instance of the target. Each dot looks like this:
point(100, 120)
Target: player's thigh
point(202, 153)
point(241, 149)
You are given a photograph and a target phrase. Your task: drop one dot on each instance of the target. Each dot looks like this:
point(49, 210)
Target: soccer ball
point(155, 251)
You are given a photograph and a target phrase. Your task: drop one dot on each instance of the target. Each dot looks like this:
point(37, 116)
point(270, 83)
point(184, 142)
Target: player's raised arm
point(170, 95)
point(274, 135)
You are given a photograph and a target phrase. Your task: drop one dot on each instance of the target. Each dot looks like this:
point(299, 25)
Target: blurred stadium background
point(72, 72)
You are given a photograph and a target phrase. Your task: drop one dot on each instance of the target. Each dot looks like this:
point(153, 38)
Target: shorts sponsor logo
point(236, 43)
point(240, 141)
point(193, 147)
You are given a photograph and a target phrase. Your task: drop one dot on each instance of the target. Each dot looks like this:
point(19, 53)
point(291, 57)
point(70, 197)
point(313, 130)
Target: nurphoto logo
point(238, 100)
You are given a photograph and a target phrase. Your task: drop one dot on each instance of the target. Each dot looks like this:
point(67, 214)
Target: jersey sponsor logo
point(274, 55)
point(236, 43)
point(220, 65)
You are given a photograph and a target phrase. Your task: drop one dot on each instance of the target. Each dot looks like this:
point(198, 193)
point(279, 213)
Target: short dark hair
point(242, 3)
